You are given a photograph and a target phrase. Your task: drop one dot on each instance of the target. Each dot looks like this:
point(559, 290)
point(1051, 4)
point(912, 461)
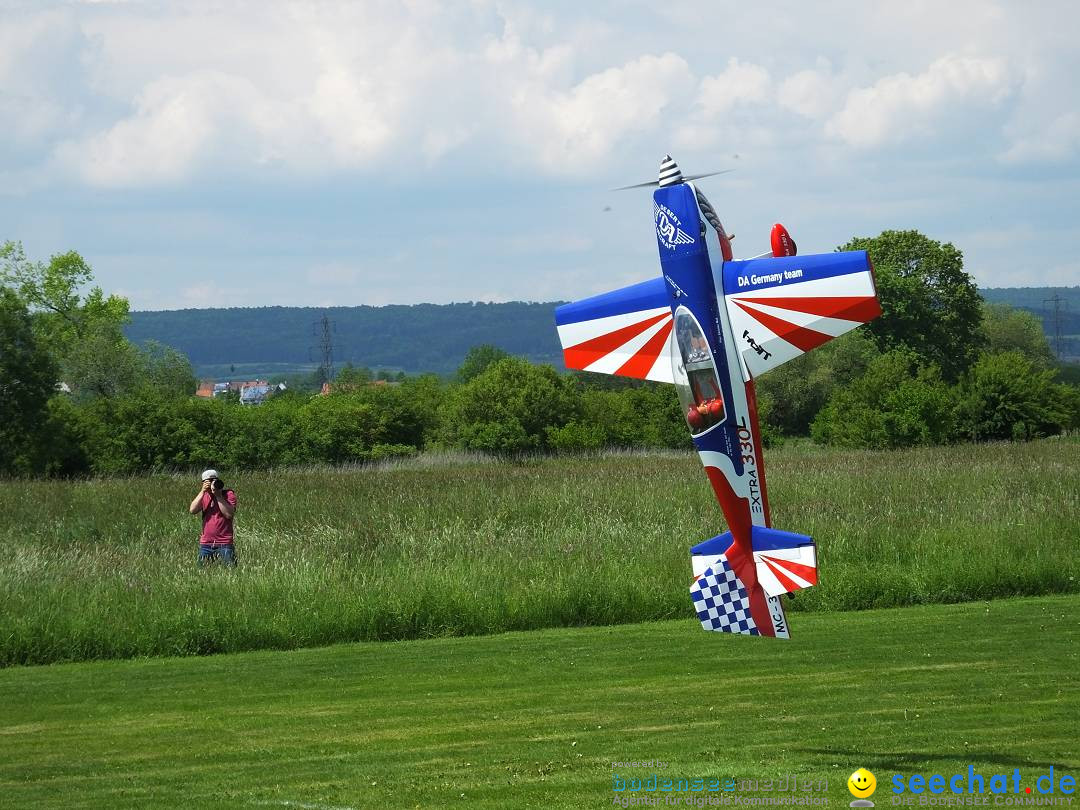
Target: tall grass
point(468, 545)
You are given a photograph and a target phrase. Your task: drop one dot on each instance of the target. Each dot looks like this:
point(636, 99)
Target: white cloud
point(902, 107)
point(172, 125)
point(740, 83)
point(41, 89)
point(1056, 142)
point(28, 118)
point(347, 108)
point(315, 90)
point(300, 130)
point(352, 88)
point(734, 109)
point(707, 136)
point(570, 130)
point(438, 142)
point(811, 93)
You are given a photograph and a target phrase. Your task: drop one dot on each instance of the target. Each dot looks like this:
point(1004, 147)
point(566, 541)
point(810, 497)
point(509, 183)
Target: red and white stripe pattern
point(632, 344)
point(790, 319)
point(784, 570)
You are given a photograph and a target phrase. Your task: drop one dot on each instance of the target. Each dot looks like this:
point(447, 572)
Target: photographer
point(217, 504)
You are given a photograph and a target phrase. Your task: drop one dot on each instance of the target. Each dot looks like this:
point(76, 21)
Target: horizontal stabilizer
point(785, 561)
point(713, 546)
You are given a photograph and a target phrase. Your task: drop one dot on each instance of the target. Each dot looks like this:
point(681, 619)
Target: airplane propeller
point(671, 175)
point(684, 177)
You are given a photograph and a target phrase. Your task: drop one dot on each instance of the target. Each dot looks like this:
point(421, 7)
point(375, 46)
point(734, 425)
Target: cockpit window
point(696, 380)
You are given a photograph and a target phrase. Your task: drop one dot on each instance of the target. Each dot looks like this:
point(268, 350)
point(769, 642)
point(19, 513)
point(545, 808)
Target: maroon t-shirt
point(216, 528)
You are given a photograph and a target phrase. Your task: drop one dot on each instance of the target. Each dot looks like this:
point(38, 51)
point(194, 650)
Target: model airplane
point(710, 326)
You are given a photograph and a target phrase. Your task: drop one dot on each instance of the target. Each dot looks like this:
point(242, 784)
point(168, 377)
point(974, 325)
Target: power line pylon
point(323, 330)
point(1058, 303)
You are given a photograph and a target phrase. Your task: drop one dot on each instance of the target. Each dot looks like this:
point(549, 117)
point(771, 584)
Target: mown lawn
point(445, 546)
point(537, 719)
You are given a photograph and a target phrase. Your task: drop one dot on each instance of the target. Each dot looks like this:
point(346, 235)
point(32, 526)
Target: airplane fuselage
point(727, 436)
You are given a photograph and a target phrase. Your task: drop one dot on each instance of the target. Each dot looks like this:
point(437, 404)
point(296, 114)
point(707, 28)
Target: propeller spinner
point(671, 175)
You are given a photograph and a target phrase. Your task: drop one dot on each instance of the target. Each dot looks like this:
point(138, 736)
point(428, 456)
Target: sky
point(345, 153)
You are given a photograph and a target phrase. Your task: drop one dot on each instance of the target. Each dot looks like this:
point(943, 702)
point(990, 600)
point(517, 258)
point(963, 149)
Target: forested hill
point(1040, 300)
point(1057, 307)
point(431, 337)
point(418, 338)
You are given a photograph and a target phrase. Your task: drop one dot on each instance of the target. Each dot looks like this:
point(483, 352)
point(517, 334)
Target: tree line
point(431, 338)
point(939, 366)
point(417, 338)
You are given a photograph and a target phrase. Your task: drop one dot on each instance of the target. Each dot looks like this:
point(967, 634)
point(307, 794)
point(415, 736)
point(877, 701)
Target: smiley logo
point(862, 784)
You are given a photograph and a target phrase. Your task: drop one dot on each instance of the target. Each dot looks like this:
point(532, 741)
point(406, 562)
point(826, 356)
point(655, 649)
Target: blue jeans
point(207, 554)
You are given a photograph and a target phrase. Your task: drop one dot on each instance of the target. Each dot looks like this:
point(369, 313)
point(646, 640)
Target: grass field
point(449, 546)
point(537, 719)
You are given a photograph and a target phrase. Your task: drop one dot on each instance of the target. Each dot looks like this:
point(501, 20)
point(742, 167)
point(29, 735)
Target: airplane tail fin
point(785, 562)
point(722, 602)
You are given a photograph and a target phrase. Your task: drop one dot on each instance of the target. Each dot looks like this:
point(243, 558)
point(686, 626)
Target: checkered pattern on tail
point(721, 601)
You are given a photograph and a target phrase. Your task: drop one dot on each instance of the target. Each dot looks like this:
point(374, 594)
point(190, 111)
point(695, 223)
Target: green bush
point(340, 427)
point(897, 403)
point(1005, 328)
point(576, 436)
point(152, 428)
point(1011, 396)
point(512, 406)
point(27, 376)
point(790, 396)
point(140, 431)
point(508, 408)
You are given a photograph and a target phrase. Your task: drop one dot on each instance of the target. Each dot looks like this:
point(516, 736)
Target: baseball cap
point(208, 474)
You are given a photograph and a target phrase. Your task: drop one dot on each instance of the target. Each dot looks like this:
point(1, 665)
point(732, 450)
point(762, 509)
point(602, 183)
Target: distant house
point(256, 393)
point(252, 392)
point(240, 385)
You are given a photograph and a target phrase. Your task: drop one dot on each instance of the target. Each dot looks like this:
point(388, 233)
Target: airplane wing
point(783, 307)
point(627, 332)
point(779, 308)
